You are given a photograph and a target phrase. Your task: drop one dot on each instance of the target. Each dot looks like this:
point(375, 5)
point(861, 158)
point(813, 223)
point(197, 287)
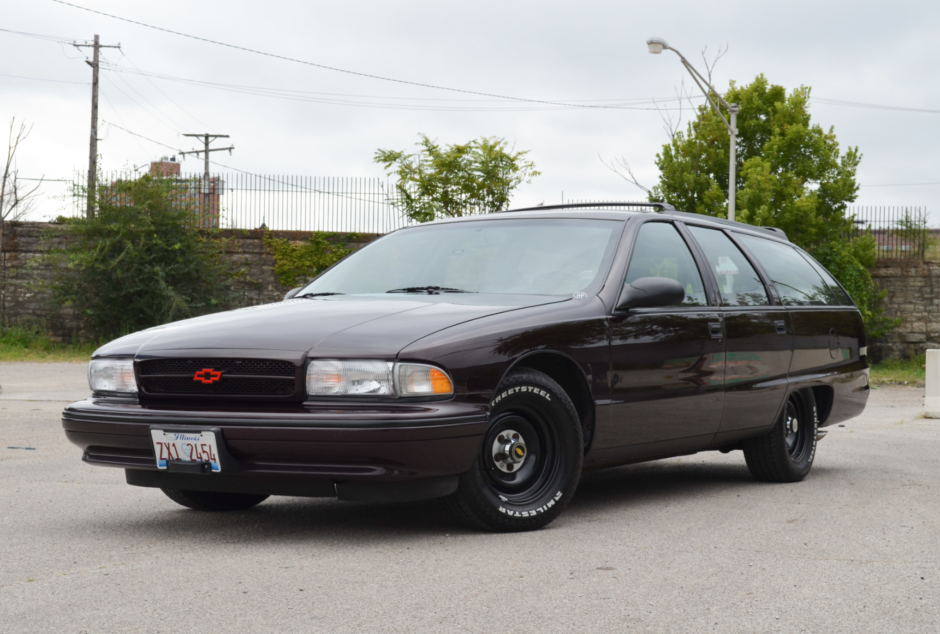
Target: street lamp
point(656, 46)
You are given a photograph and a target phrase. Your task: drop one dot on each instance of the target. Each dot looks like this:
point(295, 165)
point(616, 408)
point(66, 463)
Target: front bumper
point(311, 449)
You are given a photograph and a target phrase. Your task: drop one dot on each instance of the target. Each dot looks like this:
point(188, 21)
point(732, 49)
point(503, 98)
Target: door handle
point(781, 327)
point(714, 329)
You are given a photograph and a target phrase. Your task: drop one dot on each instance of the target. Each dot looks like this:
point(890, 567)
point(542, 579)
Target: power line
point(48, 38)
point(631, 103)
point(339, 70)
point(899, 185)
point(855, 104)
point(320, 97)
point(149, 103)
point(115, 110)
point(59, 81)
point(140, 135)
point(142, 107)
point(186, 112)
point(570, 105)
point(120, 69)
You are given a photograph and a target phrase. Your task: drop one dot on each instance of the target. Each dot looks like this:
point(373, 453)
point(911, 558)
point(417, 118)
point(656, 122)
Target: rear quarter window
point(798, 283)
point(839, 296)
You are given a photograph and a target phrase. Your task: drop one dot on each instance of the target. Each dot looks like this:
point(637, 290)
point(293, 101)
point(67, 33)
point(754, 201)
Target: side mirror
point(650, 292)
point(293, 292)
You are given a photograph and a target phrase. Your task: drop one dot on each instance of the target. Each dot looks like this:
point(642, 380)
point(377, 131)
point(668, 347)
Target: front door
point(667, 365)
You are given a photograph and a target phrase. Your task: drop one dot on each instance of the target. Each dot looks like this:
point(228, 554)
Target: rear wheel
point(214, 501)
point(530, 462)
point(786, 453)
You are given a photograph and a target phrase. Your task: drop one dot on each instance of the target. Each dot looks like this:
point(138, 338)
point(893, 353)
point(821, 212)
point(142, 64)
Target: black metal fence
point(292, 203)
point(899, 232)
point(368, 205)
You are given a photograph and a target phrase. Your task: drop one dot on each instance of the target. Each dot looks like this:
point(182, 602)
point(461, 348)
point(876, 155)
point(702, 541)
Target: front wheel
point(786, 453)
point(530, 462)
point(212, 501)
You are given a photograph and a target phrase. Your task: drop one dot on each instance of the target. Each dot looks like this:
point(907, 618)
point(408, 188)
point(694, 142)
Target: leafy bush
point(295, 264)
point(141, 261)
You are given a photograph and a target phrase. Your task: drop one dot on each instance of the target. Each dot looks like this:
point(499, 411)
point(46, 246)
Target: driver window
point(660, 251)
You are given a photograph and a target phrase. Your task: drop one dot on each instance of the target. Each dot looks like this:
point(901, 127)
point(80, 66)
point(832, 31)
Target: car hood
point(360, 326)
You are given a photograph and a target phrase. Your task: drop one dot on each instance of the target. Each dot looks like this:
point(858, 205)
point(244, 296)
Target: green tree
point(142, 260)
point(457, 180)
point(791, 175)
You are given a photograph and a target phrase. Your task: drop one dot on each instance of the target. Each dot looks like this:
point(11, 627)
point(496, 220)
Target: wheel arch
point(824, 395)
point(571, 377)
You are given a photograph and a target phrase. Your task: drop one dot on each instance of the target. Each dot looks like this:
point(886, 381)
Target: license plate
point(187, 446)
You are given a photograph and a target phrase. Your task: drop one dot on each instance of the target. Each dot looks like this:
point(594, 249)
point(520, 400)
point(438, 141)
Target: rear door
point(758, 332)
point(824, 321)
point(667, 365)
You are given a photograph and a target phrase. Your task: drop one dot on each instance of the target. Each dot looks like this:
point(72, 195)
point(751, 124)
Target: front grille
point(254, 367)
point(236, 378)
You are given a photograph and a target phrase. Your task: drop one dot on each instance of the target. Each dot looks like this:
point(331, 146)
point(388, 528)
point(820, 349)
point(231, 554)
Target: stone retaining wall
point(913, 287)
point(26, 269)
point(914, 296)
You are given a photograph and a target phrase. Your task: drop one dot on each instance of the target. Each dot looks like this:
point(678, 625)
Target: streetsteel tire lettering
point(533, 512)
point(525, 388)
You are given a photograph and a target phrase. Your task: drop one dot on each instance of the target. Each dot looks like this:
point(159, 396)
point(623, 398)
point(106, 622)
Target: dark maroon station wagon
point(489, 361)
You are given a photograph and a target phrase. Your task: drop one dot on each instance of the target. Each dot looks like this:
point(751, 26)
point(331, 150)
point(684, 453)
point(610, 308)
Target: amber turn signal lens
point(418, 379)
point(440, 382)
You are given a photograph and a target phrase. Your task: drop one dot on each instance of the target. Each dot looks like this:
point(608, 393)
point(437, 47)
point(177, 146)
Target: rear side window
point(796, 281)
point(738, 282)
point(661, 252)
point(839, 297)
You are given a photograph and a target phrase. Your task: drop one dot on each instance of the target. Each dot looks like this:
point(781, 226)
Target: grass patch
point(20, 343)
point(911, 371)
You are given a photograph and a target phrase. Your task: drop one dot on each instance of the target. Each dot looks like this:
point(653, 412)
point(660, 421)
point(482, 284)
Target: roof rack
point(657, 206)
point(665, 208)
point(724, 221)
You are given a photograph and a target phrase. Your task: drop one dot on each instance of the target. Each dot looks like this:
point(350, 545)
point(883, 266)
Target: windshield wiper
point(430, 290)
point(315, 295)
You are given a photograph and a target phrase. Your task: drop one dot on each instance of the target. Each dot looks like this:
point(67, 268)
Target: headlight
point(415, 379)
point(112, 375)
point(333, 377)
point(342, 378)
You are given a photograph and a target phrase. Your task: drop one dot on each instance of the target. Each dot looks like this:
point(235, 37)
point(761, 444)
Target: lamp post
point(656, 46)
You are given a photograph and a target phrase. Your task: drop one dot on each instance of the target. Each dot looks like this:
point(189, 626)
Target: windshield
point(529, 257)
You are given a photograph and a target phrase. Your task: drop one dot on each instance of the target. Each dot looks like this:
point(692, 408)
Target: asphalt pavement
point(690, 544)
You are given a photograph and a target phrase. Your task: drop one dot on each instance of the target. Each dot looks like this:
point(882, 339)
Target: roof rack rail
point(665, 208)
point(658, 206)
point(724, 221)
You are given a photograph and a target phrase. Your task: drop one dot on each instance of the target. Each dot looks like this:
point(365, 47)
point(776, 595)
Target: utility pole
point(207, 139)
point(93, 146)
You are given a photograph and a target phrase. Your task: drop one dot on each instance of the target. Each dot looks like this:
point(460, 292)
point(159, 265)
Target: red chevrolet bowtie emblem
point(207, 375)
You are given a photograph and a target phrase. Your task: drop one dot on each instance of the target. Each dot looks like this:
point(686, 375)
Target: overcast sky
point(587, 51)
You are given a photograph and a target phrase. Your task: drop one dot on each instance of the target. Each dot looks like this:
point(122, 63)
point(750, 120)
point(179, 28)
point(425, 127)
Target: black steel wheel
point(213, 501)
point(530, 461)
point(786, 453)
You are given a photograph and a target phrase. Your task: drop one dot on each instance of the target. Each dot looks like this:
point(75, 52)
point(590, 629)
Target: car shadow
point(302, 520)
